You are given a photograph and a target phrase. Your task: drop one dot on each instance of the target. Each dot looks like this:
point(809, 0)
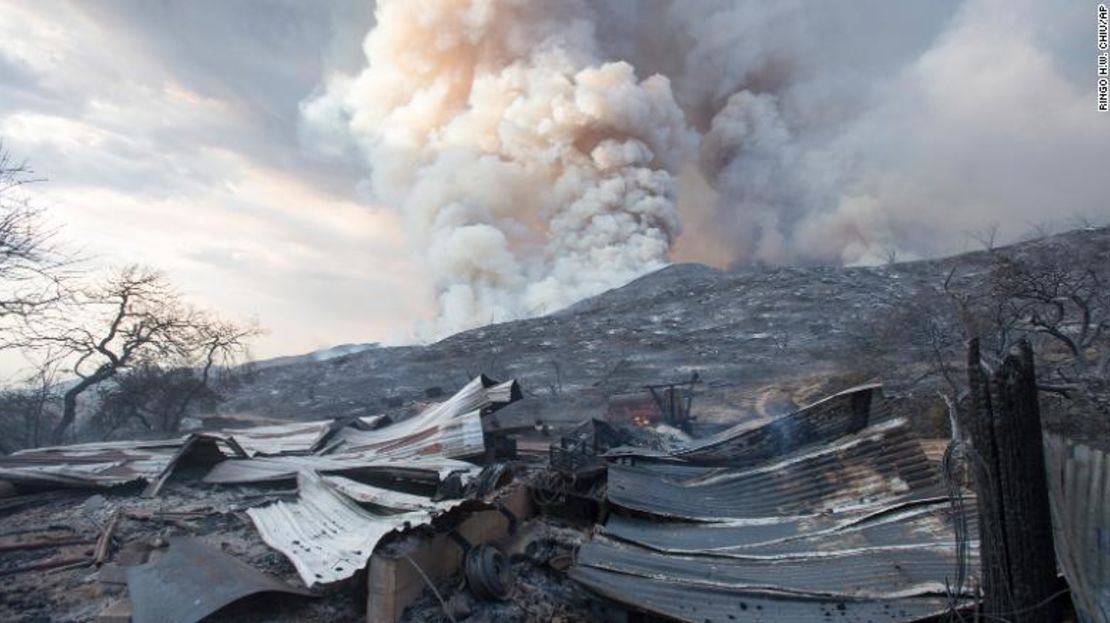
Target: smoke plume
point(541, 152)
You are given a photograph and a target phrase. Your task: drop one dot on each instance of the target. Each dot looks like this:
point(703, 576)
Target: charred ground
point(762, 341)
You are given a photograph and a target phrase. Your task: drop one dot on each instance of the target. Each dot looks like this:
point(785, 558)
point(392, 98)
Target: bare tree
point(1041, 229)
point(986, 236)
point(1066, 299)
point(149, 395)
point(135, 317)
point(28, 410)
point(555, 387)
point(31, 272)
point(159, 398)
point(1086, 222)
point(1058, 297)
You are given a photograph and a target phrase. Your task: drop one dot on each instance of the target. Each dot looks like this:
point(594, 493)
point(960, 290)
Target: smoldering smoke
point(541, 152)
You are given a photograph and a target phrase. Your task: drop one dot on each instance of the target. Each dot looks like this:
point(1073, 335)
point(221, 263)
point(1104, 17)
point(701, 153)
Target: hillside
point(756, 338)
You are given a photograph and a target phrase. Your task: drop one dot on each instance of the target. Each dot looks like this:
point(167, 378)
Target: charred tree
point(1017, 552)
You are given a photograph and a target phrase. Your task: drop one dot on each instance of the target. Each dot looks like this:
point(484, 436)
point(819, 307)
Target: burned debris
point(193, 580)
point(832, 511)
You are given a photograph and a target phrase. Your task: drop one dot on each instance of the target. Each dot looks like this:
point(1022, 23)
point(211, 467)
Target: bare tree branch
point(135, 319)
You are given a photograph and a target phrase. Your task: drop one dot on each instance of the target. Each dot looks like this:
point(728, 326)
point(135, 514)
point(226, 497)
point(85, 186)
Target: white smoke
point(531, 172)
point(541, 152)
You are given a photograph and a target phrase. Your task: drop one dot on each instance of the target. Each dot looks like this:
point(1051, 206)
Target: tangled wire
point(549, 488)
point(960, 467)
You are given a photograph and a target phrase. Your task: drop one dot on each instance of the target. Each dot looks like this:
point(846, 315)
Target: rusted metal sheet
point(193, 580)
point(1079, 496)
point(292, 438)
point(325, 534)
point(448, 430)
point(881, 465)
point(452, 429)
point(102, 464)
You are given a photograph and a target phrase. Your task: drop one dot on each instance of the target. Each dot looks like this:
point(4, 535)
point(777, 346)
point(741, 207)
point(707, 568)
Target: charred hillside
point(760, 340)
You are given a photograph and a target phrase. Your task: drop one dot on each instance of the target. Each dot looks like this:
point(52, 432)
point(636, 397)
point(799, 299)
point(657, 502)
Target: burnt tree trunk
point(1018, 557)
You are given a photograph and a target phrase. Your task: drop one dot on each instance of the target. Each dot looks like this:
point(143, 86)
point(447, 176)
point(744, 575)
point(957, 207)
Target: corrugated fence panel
point(1079, 490)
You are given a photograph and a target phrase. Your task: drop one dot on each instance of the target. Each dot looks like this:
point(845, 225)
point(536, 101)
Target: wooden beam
point(1018, 555)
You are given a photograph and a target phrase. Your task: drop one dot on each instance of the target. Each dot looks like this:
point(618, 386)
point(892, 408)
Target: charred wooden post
point(980, 427)
point(1017, 553)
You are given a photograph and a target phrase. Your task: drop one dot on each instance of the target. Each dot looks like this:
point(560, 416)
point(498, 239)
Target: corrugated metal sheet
point(750, 443)
point(815, 516)
point(102, 464)
point(853, 574)
point(1079, 495)
point(386, 499)
point(326, 535)
point(449, 430)
point(295, 437)
point(881, 465)
point(912, 524)
point(452, 429)
point(272, 469)
point(707, 603)
point(841, 414)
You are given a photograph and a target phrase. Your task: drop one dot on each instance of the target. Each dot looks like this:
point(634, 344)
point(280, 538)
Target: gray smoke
point(541, 152)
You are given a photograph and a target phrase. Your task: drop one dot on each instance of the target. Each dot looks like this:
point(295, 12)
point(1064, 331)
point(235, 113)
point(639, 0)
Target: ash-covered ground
point(184, 508)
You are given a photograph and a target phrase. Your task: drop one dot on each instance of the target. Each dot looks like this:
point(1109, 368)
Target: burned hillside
point(761, 341)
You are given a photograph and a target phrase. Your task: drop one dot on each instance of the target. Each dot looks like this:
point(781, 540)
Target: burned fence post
point(1017, 553)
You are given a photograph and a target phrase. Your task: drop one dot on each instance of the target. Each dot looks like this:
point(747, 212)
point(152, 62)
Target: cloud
point(168, 134)
point(315, 269)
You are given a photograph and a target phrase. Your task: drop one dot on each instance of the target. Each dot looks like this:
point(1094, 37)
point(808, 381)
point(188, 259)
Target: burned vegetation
point(912, 442)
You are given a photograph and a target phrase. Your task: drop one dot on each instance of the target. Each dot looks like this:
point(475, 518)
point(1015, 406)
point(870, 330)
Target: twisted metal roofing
point(811, 517)
point(325, 534)
point(879, 465)
point(430, 440)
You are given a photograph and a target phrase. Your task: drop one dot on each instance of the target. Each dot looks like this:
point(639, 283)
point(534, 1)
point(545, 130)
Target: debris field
point(833, 511)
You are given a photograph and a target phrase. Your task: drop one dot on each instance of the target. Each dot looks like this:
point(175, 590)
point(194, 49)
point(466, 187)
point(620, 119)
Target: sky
point(167, 133)
point(341, 176)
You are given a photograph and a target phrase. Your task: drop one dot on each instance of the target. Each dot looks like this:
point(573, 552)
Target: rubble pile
point(833, 510)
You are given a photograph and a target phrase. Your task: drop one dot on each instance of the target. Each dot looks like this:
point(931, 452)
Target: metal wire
point(961, 458)
point(550, 488)
point(442, 604)
point(949, 469)
point(1041, 604)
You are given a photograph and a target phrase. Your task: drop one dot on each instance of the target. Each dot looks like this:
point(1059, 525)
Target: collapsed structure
point(831, 511)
